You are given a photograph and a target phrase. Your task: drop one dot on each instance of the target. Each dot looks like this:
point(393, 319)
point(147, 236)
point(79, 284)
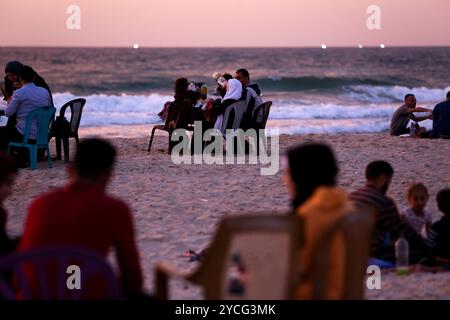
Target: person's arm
point(13, 105)
point(127, 254)
point(419, 109)
point(419, 119)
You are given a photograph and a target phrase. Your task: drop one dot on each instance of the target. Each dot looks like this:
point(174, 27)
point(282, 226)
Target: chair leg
point(33, 157)
point(58, 147)
point(151, 139)
point(49, 157)
point(65, 141)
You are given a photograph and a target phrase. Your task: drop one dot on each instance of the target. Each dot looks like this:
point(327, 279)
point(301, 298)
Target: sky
point(228, 23)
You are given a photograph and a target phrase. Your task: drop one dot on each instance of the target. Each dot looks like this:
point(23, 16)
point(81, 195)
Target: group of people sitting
point(25, 91)
point(94, 220)
point(404, 117)
point(191, 104)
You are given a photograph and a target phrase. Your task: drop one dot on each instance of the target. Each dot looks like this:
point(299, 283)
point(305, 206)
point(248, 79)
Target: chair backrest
point(49, 274)
point(76, 110)
point(263, 247)
point(356, 230)
point(42, 117)
point(261, 114)
point(236, 110)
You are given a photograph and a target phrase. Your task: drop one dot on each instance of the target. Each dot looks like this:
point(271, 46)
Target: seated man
point(441, 119)
point(404, 114)
point(83, 215)
point(388, 225)
point(24, 100)
point(252, 95)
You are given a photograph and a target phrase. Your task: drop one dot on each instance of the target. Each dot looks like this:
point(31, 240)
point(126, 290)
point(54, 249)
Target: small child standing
point(416, 214)
point(439, 236)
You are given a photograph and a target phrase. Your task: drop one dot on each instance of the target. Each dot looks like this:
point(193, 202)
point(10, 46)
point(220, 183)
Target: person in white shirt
point(24, 100)
point(416, 215)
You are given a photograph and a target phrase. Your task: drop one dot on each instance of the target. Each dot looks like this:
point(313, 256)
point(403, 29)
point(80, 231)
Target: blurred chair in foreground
point(251, 257)
point(44, 274)
point(355, 230)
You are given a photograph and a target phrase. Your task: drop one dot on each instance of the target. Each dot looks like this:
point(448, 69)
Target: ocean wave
point(315, 83)
point(386, 94)
point(102, 109)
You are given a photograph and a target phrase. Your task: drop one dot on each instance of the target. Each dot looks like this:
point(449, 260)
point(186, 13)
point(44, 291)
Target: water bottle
point(236, 275)
point(402, 256)
point(204, 91)
point(413, 129)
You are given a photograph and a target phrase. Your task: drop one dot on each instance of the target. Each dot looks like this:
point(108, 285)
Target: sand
point(176, 208)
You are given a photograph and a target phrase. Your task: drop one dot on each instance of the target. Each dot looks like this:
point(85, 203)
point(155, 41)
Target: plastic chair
point(42, 117)
point(260, 120)
point(266, 245)
point(356, 228)
point(76, 110)
point(49, 285)
point(235, 112)
point(183, 121)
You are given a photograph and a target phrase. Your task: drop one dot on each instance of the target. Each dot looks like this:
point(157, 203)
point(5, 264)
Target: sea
point(336, 90)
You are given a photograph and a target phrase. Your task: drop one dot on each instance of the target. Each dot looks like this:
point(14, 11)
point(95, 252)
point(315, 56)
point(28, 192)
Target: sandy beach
point(176, 208)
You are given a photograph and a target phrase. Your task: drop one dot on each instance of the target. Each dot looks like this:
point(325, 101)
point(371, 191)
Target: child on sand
point(439, 235)
point(416, 214)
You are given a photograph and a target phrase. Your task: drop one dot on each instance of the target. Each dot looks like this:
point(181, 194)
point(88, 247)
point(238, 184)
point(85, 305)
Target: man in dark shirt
point(83, 215)
point(438, 238)
point(404, 114)
point(388, 225)
point(441, 119)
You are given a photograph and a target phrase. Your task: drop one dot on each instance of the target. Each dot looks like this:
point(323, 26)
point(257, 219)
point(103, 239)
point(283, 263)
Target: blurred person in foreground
point(311, 181)
point(83, 215)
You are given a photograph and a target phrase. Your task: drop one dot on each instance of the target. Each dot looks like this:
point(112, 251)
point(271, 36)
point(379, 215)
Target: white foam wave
point(386, 94)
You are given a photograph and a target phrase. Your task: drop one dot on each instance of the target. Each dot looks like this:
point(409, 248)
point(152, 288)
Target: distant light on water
point(382, 46)
point(135, 46)
point(360, 46)
point(324, 46)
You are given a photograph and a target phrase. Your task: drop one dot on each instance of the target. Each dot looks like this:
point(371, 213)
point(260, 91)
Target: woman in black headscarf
point(12, 83)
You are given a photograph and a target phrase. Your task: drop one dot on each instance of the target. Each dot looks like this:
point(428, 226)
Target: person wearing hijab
point(311, 180)
point(233, 94)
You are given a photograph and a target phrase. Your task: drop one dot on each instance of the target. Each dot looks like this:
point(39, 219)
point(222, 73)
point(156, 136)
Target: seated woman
point(179, 115)
point(12, 83)
point(8, 172)
point(311, 180)
point(233, 94)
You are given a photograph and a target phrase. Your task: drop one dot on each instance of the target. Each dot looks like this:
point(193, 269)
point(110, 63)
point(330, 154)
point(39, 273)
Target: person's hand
point(17, 85)
point(430, 116)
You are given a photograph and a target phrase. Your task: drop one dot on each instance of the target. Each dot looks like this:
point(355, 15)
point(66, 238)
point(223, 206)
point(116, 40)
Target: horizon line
point(227, 47)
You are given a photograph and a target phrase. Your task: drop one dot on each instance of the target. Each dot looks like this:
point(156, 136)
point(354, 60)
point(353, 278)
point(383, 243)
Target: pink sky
point(161, 23)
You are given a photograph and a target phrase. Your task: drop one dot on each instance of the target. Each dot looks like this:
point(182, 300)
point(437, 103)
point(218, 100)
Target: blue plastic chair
point(43, 117)
point(49, 267)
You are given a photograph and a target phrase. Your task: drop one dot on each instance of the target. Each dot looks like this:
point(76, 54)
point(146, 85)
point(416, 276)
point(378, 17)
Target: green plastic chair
point(43, 116)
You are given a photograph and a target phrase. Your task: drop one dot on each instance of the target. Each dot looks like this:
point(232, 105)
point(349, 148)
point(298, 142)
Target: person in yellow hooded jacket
point(311, 179)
